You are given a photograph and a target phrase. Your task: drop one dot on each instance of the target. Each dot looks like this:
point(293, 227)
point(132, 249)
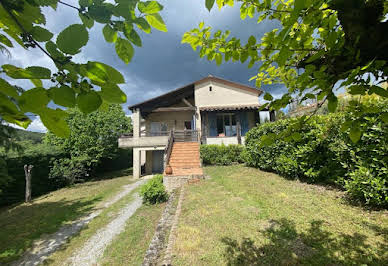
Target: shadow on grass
point(285, 245)
point(113, 174)
point(21, 225)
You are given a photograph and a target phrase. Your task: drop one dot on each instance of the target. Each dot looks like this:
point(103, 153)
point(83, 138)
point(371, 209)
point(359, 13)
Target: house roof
point(185, 91)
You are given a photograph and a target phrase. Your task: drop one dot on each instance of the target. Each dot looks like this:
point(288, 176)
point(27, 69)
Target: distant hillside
point(35, 137)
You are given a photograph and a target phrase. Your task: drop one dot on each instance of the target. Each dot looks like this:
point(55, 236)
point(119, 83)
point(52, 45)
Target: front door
point(157, 162)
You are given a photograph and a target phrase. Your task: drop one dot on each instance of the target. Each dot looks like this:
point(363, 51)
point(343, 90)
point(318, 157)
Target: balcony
point(157, 139)
point(146, 139)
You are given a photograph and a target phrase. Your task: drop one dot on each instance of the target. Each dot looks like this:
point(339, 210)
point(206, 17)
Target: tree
point(92, 138)
point(88, 86)
point(321, 44)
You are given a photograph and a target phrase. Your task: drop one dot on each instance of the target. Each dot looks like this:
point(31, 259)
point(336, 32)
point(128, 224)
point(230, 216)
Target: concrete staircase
point(185, 159)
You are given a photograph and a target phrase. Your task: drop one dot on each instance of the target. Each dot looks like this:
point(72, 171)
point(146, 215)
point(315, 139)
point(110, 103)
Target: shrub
point(153, 191)
point(221, 154)
point(320, 151)
point(71, 170)
point(363, 185)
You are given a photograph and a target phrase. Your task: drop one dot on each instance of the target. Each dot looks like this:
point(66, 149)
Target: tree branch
point(32, 39)
point(66, 4)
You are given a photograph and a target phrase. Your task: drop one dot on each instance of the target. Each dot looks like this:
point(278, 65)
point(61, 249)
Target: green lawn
point(130, 246)
point(22, 224)
point(243, 216)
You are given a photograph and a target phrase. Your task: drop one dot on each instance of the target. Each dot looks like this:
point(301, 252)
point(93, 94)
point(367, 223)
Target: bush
point(153, 191)
point(320, 151)
point(221, 154)
point(363, 185)
point(71, 170)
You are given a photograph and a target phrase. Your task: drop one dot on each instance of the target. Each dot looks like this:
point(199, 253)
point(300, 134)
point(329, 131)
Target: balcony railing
point(145, 133)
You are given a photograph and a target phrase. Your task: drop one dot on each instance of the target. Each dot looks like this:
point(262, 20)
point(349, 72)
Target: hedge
point(43, 162)
point(213, 154)
point(40, 181)
point(323, 153)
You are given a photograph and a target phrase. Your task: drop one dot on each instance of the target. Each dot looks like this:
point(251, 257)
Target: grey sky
point(163, 63)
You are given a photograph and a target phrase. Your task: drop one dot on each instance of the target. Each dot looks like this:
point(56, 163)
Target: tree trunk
point(28, 172)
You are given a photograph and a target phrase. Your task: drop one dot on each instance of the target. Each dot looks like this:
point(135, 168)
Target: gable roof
point(187, 91)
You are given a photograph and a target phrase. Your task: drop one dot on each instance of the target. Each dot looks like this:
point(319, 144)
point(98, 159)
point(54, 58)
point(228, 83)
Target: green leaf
point(379, 91)
point(88, 102)
point(88, 22)
point(135, 38)
point(357, 90)
point(5, 40)
point(113, 94)
point(33, 100)
point(251, 40)
point(33, 72)
point(102, 73)
point(384, 117)
point(143, 25)
point(124, 50)
point(355, 134)
point(316, 56)
point(8, 89)
point(299, 4)
point(110, 34)
point(72, 39)
point(100, 13)
point(40, 34)
point(53, 50)
point(209, 4)
point(296, 136)
point(85, 3)
point(333, 102)
point(55, 121)
point(37, 82)
point(63, 96)
point(156, 21)
point(268, 97)
point(149, 7)
point(218, 58)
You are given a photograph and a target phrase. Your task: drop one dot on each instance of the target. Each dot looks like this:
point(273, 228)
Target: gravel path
point(44, 247)
point(95, 246)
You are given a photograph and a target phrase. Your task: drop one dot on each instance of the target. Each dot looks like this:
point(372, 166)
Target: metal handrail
point(168, 149)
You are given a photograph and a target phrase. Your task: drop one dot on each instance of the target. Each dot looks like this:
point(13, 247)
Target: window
point(226, 125)
point(158, 128)
point(210, 88)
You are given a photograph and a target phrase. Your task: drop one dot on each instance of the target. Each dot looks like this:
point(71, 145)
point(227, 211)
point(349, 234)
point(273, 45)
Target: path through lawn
point(243, 216)
point(94, 248)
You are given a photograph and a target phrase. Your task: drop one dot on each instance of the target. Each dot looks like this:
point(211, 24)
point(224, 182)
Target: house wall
point(174, 120)
point(223, 95)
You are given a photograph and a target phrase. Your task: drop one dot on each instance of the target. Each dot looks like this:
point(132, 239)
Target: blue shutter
point(244, 123)
point(212, 120)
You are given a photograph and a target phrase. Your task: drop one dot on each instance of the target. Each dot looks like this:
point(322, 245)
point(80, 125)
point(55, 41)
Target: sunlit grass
point(243, 216)
point(22, 224)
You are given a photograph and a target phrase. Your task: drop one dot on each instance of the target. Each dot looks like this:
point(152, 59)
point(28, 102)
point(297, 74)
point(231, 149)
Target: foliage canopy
point(320, 45)
point(91, 85)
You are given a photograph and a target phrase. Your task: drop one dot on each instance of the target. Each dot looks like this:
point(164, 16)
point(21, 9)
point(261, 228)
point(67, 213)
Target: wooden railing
point(168, 149)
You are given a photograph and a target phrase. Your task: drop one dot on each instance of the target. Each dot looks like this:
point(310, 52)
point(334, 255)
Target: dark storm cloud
point(163, 63)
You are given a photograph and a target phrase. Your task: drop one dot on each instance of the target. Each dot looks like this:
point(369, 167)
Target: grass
point(243, 216)
point(78, 241)
point(130, 246)
point(22, 224)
